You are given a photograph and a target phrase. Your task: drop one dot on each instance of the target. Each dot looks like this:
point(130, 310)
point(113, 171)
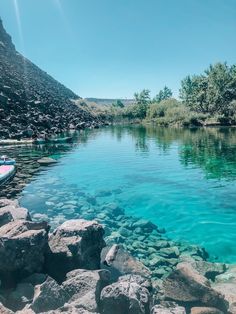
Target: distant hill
point(101, 101)
point(31, 101)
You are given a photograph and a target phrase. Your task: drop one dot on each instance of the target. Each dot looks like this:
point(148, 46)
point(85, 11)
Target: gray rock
point(35, 279)
point(22, 295)
point(126, 296)
point(84, 287)
point(7, 202)
point(185, 284)
point(175, 309)
point(68, 309)
point(5, 217)
point(48, 296)
point(74, 244)
point(22, 246)
point(17, 213)
point(123, 263)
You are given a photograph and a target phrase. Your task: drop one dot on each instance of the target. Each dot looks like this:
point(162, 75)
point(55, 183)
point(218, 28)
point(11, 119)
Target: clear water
point(182, 180)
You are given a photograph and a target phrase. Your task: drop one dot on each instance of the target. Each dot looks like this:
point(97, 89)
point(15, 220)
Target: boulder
point(4, 310)
point(174, 309)
point(6, 202)
point(122, 263)
point(21, 296)
point(209, 270)
point(125, 296)
point(185, 284)
point(205, 310)
point(22, 246)
point(228, 290)
point(84, 287)
point(74, 244)
point(68, 309)
point(48, 296)
point(5, 217)
point(17, 213)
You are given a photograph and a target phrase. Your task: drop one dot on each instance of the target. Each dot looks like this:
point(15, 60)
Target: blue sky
point(113, 48)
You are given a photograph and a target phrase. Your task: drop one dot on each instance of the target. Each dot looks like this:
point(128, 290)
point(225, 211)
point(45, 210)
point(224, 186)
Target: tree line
point(211, 95)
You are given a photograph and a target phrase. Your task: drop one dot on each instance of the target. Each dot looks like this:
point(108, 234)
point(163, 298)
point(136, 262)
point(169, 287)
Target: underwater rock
point(125, 296)
point(46, 161)
point(74, 244)
point(185, 284)
point(123, 263)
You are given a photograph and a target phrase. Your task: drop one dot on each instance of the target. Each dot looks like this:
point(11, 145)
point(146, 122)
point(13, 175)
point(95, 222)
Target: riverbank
point(62, 271)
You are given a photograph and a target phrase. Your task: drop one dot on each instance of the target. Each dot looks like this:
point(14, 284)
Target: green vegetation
point(204, 100)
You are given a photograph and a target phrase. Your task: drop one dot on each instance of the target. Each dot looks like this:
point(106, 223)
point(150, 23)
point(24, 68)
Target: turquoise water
point(182, 180)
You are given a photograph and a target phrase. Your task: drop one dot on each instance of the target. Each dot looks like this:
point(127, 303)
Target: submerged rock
point(47, 161)
point(74, 244)
point(123, 263)
point(185, 284)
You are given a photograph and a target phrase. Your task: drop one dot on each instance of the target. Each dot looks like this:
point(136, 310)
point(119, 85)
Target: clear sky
point(113, 48)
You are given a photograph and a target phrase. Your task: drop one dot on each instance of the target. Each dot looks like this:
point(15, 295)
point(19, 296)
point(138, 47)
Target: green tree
point(212, 92)
point(163, 94)
point(118, 104)
point(142, 98)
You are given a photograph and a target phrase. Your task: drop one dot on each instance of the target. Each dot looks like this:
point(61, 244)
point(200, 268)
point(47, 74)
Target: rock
point(74, 244)
point(68, 309)
point(175, 309)
point(4, 310)
point(185, 284)
point(5, 217)
point(209, 270)
point(123, 263)
point(126, 296)
point(22, 295)
point(48, 296)
point(7, 202)
point(205, 310)
point(22, 246)
point(145, 225)
point(46, 161)
point(228, 276)
point(35, 279)
point(228, 290)
point(84, 287)
point(17, 213)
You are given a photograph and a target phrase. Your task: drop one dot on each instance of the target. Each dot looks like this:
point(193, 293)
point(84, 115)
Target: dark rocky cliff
point(31, 101)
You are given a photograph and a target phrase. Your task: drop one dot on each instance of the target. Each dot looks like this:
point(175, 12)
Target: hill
point(104, 101)
point(32, 103)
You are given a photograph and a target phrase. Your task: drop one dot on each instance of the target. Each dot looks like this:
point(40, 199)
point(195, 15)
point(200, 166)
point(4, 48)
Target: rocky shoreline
point(63, 271)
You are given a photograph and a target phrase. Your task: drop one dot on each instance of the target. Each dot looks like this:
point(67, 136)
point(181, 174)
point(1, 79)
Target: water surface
point(182, 180)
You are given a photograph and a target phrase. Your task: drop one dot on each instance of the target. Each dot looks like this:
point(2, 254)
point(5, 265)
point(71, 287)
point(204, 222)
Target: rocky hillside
point(31, 101)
